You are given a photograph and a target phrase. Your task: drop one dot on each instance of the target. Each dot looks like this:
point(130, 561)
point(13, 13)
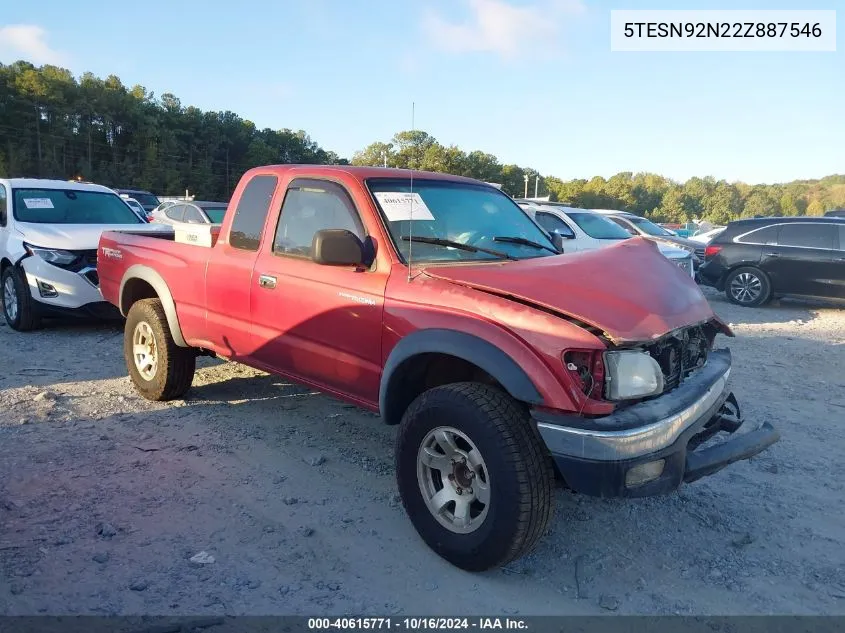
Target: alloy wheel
point(453, 479)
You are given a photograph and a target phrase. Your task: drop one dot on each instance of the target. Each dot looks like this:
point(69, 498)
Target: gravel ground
point(254, 496)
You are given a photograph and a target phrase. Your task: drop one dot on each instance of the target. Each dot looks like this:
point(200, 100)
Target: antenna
point(411, 211)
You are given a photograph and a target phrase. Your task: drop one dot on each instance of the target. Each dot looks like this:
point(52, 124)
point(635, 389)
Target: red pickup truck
point(437, 302)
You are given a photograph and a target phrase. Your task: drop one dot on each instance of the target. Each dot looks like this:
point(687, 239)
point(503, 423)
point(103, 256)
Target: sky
point(533, 82)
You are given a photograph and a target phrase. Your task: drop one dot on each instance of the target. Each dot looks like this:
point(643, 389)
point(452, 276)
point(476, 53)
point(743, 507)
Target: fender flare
point(147, 274)
point(468, 347)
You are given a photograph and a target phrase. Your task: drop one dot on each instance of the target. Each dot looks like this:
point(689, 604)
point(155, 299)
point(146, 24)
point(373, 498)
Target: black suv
point(755, 260)
point(148, 200)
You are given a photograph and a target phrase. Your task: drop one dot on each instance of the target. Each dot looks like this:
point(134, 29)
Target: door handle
point(267, 281)
point(772, 254)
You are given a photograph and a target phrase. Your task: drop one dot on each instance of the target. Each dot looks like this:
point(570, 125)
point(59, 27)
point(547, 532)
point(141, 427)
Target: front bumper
point(606, 456)
point(70, 290)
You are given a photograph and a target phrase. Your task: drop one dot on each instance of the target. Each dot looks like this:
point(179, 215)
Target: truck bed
point(165, 255)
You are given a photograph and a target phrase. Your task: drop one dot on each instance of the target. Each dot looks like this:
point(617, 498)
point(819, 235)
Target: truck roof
point(363, 173)
point(42, 183)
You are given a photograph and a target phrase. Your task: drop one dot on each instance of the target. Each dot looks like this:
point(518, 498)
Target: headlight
point(51, 255)
point(632, 374)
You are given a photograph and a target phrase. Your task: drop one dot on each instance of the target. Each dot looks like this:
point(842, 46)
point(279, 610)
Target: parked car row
point(585, 230)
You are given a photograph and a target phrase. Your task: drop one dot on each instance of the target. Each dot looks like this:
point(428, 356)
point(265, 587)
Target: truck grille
point(680, 354)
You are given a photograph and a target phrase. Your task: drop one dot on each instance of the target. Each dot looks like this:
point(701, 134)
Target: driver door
point(319, 324)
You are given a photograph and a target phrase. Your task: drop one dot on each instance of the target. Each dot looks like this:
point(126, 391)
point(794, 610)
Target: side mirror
point(337, 247)
point(557, 240)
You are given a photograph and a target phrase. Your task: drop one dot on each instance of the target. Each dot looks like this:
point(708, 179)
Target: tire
point(21, 315)
point(752, 280)
point(166, 371)
point(515, 475)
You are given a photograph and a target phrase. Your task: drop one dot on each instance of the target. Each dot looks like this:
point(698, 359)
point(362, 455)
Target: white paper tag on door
point(38, 203)
point(400, 206)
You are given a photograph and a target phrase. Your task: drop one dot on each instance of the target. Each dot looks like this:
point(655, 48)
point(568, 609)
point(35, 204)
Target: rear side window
point(807, 235)
point(193, 215)
point(766, 235)
point(251, 212)
point(176, 212)
point(2, 205)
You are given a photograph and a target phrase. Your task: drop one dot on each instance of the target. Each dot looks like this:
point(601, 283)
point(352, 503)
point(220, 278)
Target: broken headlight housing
point(631, 374)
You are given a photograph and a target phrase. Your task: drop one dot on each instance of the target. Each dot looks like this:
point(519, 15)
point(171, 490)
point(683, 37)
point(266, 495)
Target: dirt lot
point(105, 498)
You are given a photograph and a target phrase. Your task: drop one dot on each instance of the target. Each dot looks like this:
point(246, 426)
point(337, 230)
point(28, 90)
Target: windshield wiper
point(525, 242)
point(464, 247)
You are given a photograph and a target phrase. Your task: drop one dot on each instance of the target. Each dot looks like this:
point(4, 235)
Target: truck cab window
point(251, 213)
point(312, 206)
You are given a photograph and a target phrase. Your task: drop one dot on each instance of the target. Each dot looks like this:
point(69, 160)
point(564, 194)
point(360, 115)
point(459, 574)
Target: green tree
point(673, 206)
point(815, 208)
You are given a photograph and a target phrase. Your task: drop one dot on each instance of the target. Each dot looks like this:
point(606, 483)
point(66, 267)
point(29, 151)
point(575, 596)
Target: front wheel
point(748, 286)
point(18, 306)
point(159, 369)
point(474, 475)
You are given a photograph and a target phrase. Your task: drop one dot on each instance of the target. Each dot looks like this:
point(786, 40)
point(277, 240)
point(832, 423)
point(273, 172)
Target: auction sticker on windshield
point(38, 203)
point(399, 206)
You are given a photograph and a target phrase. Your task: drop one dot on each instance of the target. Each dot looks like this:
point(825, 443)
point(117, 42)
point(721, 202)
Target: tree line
point(55, 125)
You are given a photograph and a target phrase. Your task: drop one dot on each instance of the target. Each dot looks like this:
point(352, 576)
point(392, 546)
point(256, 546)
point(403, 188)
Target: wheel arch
point(407, 372)
point(142, 282)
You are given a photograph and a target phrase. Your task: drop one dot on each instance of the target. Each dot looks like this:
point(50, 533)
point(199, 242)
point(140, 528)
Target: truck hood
point(629, 290)
point(74, 236)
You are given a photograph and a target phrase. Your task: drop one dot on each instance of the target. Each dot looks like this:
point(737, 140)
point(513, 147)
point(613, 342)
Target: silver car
point(189, 212)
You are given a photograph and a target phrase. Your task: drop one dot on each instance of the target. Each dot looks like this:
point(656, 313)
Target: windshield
point(599, 227)
point(468, 214)
point(215, 214)
point(71, 206)
point(649, 227)
point(146, 199)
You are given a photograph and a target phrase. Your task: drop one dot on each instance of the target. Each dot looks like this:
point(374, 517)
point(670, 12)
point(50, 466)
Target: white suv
point(49, 235)
point(586, 230)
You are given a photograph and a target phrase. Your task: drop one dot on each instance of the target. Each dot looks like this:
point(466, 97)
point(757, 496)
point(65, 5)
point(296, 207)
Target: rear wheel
point(474, 475)
point(160, 369)
point(748, 286)
point(18, 306)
